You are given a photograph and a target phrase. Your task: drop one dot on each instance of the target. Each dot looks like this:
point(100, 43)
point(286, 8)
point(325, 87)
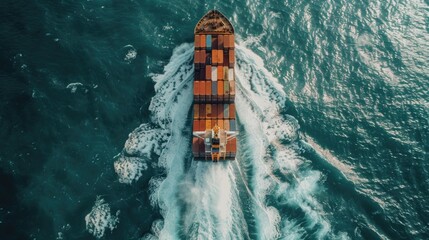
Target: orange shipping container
point(196, 87)
point(220, 56)
point(220, 42)
point(203, 41)
point(208, 87)
point(219, 73)
point(231, 57)
point(214, 57)
point(220, 88)
point(232, 110)
point(220, 123)
point(201, 89)
point(208, 124)
point(231, 41)
point(208, 72)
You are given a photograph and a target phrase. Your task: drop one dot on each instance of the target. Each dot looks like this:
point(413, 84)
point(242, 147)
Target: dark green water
point(332, 98)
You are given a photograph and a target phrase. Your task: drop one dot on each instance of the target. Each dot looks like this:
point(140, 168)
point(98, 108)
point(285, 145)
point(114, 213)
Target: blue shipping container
point(214, 88)
point(232, 125)
point(209, 41)
point(226, 110)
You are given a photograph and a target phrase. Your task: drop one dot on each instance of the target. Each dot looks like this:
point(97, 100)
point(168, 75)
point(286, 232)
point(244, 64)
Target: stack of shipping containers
point(214, 88)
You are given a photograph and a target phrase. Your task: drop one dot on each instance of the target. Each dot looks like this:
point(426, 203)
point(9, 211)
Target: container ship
point(214, 123)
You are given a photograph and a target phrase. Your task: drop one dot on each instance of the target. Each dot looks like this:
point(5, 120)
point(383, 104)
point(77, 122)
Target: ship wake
point(268, 193)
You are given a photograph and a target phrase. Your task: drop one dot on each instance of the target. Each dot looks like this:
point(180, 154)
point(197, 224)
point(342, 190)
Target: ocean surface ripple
point(332, 103)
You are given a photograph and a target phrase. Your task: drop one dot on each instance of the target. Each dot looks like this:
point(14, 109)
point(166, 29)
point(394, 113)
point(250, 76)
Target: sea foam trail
point(198, 201)
point(203, 200)
point(280, 180)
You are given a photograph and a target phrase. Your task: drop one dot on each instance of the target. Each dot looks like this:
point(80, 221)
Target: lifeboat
point(214, 119)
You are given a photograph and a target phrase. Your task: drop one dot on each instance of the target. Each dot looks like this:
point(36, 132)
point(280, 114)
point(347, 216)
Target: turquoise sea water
point(332, 99)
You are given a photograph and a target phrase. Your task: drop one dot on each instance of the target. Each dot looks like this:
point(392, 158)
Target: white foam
point(74, 86)
point(100, 219)
point(131, 53)
point(259, 100)
point(203, 201)
point(129, 169)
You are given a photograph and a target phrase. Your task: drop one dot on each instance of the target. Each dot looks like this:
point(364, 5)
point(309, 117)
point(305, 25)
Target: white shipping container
point(231, 74)
point(214, 73)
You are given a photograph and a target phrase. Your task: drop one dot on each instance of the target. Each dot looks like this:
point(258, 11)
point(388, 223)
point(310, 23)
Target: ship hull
point(214, 115)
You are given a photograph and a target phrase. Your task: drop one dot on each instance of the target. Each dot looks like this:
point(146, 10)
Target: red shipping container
point(231, 41)
point(208, 72)
point(232, 110)
point(196, 56)
point(195, 88)
point(196, 111)
point(202, 110)
point(199, 88)
point(231, 56)
point(197, 41)
point(220, 112)
point(197, 125)
point(202, 125)
point(220, 41)
point(208, 88)
point(214, 110)
point(203, 56)
point(233, 145)
point(226, 41)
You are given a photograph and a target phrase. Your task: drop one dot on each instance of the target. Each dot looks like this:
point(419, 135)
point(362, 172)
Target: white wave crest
point(129, 169)
point(100, 219)
point(204, 200)
point(270, 139)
